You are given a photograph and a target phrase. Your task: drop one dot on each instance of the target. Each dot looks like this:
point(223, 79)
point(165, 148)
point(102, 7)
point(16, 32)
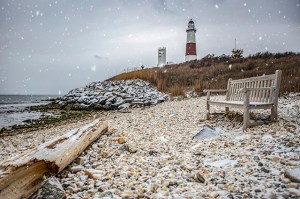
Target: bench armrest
point(215, 90)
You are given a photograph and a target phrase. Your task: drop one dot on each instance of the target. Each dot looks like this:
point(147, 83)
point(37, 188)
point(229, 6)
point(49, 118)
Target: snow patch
point(222, 163)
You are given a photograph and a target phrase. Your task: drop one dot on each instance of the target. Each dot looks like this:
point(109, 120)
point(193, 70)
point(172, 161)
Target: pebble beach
point(151, 152)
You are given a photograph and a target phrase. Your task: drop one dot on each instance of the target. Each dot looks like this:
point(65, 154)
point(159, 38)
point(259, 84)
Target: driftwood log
point(22, 175)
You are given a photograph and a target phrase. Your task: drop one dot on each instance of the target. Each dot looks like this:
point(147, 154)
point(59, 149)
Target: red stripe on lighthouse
point(190, 49)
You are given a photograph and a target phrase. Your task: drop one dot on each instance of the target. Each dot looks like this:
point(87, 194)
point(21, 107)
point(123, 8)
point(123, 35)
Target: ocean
point(14, 108)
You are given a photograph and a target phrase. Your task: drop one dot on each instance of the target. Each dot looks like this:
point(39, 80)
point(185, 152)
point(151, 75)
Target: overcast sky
point(51, 47)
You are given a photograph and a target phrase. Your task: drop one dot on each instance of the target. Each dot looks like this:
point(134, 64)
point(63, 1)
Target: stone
point(294, 191)
point(206, 132)
point(199, 178)
point(213, 194)
point(51, 188)
point(106, 194)
point(265, 170)
point(126, 147)
point(80, 160)
point(77, 168)
point(94, 173)
point(121, 140)
point(292, 185)
point(293, 174)
point(104, 154)
point(153, 188)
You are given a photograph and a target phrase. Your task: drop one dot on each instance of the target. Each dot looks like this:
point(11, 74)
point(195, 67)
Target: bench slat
point(252, 105)
point(251, 79)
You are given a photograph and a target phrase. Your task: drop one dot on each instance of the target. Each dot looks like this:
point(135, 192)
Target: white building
point(161, 56)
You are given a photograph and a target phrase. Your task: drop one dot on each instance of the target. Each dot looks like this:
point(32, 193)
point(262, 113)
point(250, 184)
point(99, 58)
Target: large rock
point(206, 132)
point(113, 95)
point(51, 189)
point(293, 174)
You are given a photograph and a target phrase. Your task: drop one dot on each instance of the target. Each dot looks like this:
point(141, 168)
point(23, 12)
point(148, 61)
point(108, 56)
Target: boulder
point(206, 132)
point(293, 174)
point(51, 188)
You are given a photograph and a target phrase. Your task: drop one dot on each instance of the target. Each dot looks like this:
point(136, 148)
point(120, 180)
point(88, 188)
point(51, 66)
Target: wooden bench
point(250, 93)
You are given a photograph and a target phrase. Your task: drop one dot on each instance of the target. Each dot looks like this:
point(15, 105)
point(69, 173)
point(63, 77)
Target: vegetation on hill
point(213, 72)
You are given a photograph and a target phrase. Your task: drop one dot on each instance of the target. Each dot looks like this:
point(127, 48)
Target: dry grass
point(213, 73)
point(177, 90)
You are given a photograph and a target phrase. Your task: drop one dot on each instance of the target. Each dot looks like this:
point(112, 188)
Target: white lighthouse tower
point(191, 53)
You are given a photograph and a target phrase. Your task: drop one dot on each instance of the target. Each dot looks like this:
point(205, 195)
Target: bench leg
point(274, 113)
point(208, 111)
point(246, 110)
point(226, 109)
point(246, 118)
point(207, 105)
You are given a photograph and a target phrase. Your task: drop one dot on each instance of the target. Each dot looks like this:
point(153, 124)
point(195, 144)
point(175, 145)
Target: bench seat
point(252, 105)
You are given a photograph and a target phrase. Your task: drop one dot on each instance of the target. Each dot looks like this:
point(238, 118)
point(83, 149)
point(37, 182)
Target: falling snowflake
point(245, 4)
point(249, 10)
point(69, 74)
point(93, 68)
point(59, 92)
point(260, 38)
point(37, 13)
point(230, 65)
point(217, 6)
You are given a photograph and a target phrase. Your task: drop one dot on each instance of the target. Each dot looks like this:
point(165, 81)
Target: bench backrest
point(234, 88)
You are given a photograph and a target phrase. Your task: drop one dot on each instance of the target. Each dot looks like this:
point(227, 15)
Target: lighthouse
point(191, 53)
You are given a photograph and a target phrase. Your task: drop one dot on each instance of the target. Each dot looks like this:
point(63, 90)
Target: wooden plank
point(228, 89)
point(207, 105)
point(232, 92)
point(263, 91)
point(22, 175)
point(215, 90)
point(259, 92)
point(246, 115)
point(252, 93)
point(265, 77)
point(239, 103)
point(255, 92)
point(277, 83)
